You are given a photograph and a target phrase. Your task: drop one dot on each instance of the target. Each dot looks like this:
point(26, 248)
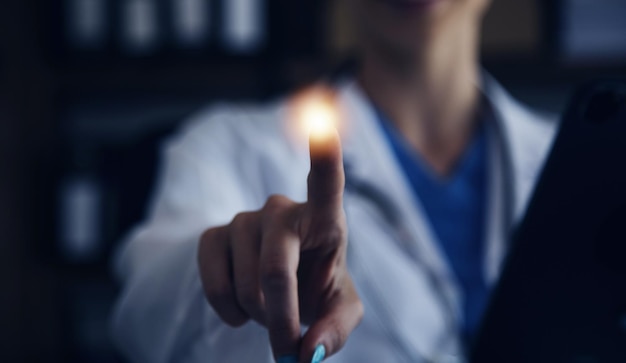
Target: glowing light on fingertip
point(318, 116)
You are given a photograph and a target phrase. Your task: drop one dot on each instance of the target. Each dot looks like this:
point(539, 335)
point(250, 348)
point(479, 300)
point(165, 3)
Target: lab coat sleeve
point(161, 311)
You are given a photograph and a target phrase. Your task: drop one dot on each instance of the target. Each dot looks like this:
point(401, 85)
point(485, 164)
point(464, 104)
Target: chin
point(402, 24)
point(412, 7)
point(407, 26)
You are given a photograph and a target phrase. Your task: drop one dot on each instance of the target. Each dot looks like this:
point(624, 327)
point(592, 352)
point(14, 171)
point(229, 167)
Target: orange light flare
point(316, 114)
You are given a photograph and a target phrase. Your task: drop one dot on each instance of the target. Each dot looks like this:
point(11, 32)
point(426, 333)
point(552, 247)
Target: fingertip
point(331, 331)
point(316, 356)
point(317, 345)
point(318, 112)
point(315, 353)
point(326, 177)
point(325, 149)
point(319, 354)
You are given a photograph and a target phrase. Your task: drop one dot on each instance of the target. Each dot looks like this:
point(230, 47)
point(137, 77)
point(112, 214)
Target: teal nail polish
point(288, 359)
point(319, 354)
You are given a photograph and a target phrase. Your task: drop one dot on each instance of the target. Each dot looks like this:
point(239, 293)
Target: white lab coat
point(230, 159)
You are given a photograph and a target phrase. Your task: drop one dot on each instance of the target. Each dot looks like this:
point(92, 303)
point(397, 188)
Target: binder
point(243, 26)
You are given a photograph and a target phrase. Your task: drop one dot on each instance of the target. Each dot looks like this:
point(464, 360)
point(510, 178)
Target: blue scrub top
point(455, 206)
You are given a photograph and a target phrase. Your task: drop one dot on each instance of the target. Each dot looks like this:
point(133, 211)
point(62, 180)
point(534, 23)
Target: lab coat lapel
point(498, 199)
point(519, 144)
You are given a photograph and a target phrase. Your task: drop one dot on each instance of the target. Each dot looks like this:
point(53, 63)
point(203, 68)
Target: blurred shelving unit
point(108, 81)
point(133, 69)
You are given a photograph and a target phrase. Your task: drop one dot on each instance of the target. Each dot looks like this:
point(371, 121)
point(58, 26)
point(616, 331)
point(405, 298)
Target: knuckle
point(243, 221)
point(275, 202)
point(249, 295)
point(339, 335)
point(243, 227)
point(360, 308)
point(218, 294)
point(279, 211)
point(276, 207)
point(284, 327)
point(209, 236)
point(276, 277)
point(335, 235)
point(212, 237)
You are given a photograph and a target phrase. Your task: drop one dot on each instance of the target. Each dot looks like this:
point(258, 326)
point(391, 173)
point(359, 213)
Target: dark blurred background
point(89, 89)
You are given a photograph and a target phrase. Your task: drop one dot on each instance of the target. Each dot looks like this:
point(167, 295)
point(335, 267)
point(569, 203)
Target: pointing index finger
point(326, 179)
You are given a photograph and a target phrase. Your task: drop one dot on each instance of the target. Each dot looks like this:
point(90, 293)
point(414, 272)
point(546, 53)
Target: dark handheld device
point(562, 294)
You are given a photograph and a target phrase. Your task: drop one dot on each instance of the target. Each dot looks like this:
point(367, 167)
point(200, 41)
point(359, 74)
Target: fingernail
point(319, 354)
point(288, 359)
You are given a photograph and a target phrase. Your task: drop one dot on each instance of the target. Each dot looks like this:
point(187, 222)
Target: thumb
point(331, 330)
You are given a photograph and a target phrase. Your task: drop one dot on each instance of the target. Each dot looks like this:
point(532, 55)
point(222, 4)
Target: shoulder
point(241, 137)
point(225, 127)
point(247, 147)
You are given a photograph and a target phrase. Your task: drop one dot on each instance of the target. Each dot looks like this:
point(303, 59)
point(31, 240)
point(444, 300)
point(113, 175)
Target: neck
point(430, 95)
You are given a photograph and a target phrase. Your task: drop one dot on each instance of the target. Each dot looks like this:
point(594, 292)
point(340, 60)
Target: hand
point(285, 264)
